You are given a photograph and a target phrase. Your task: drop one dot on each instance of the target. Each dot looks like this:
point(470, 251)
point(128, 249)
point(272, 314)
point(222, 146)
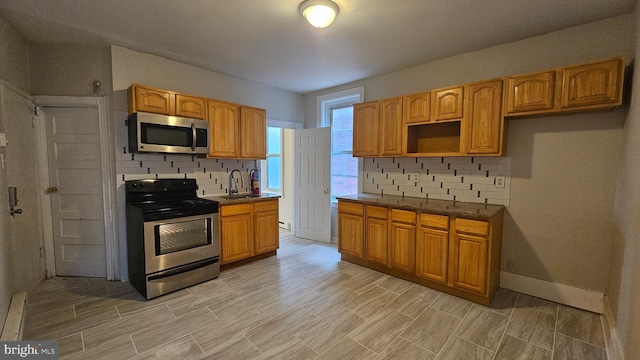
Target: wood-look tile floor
point(304, 303)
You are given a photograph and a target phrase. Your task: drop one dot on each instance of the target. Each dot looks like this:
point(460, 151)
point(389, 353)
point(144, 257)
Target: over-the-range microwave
point(167, 134)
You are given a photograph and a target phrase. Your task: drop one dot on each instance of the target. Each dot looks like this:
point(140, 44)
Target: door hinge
point(36, 110)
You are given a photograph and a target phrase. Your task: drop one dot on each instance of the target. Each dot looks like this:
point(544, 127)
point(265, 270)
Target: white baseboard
point(14, 324)
point(334, 239)
point(560, 293)
point(612, 341)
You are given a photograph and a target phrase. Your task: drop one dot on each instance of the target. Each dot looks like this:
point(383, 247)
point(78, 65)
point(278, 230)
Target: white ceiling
point(267, 41)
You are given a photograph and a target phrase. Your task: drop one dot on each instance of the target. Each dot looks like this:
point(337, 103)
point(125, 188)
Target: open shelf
point(434, 138)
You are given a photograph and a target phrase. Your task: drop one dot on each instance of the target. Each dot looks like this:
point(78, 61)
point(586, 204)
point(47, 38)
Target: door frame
point(107, 165)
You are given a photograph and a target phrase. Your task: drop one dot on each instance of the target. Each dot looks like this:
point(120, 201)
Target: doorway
point(75, 152)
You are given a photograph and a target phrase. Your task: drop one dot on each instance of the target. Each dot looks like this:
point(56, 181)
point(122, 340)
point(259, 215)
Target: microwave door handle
point(193, 134)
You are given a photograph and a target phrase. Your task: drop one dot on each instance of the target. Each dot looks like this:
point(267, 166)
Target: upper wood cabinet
point(253, 133)
point(148, 99)
point(417, 108)
point(391, 130)
point(224, 129)
point(236, 131)
point(530, 92)
point(366, 140)
point(447, 104)
point(484, 118)
point(191, 106)
point(582, 87)
point(592, 85)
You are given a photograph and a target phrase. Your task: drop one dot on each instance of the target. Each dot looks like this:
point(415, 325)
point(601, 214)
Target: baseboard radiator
point(14, 324)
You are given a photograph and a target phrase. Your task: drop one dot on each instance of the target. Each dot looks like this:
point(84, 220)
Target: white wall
point(560, 217)
point(21, 267)
point(624, 280)
point(135, 67)
point(287, 200)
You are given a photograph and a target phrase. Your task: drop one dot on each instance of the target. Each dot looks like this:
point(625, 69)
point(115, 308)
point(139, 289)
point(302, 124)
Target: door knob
point(51, 190)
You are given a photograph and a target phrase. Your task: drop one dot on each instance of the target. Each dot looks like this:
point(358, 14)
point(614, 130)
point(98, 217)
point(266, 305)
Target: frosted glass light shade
point(319, 13)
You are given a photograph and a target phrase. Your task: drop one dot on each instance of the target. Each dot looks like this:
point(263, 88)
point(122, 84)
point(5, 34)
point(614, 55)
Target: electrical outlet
point(498, 181)
point(415, 177)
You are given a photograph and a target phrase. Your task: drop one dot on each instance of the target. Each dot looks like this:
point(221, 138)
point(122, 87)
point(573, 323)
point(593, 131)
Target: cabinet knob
point(326, 191)
point(51, 190)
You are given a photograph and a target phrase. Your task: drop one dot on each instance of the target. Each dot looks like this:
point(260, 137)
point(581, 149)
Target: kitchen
point(591, 197)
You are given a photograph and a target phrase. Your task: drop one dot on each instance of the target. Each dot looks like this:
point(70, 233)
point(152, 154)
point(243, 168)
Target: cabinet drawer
point(403, 216)
point(472, 226)
point(351, 208)
point(377, 212)
point(228, 210)
point(265, 205)
point(435, 221)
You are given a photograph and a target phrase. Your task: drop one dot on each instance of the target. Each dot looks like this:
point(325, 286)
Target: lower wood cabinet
point(432, 248)
point(351, 229)
point(456, 255)
point(236, 235)
point(402, 238)
point(247, 230)
point(377, 233)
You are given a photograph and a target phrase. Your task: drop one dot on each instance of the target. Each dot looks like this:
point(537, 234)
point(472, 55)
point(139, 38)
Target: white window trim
point(335, 100)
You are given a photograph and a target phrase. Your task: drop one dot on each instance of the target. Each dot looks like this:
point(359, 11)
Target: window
point(336, 111)
point(273, 165)
point(344, 167)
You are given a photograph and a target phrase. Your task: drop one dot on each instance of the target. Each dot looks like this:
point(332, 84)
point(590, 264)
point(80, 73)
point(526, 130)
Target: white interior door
point(75, 186)
point(312, 184)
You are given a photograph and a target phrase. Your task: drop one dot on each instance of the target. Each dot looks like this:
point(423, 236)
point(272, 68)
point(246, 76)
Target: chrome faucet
point(234, 183)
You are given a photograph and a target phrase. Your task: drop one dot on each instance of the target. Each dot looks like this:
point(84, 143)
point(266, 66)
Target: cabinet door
point(191, 106)
point(402, 236)
point(253, 133)
point(266, 232)
point(484, 118)
point(224, 126)
point(447, 103)
point(153, 100)
point(366, 141)
point(417, 108)
point(432, 254)
point(391, 120)
point(592, 84)
point(236, 237)
point(533, 92)
point(470, 259)
point(350, 234)
point(376, 240)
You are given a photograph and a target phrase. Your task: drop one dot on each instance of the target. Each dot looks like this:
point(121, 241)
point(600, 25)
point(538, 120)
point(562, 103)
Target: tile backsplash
point(470, 179)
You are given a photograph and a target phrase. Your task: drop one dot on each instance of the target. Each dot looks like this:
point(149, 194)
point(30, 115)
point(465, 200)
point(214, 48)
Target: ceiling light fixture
point(319, 13)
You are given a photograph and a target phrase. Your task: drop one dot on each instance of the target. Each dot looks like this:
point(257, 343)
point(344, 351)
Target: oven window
point(182, 235)
point(166, 135)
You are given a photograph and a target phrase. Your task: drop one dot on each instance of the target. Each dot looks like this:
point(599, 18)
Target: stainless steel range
point(172, 236)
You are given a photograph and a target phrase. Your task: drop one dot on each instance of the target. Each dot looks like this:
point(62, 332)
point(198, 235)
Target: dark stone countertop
point(241, 198)
point(432, 206)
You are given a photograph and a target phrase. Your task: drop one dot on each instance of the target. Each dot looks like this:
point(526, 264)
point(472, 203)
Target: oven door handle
point(182, 269)
point(193, 135)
